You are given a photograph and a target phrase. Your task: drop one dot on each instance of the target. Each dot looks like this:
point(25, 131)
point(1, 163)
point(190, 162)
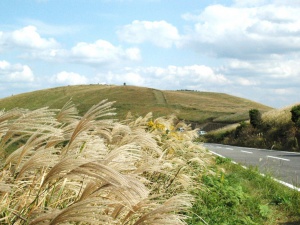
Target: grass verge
point(234, 195)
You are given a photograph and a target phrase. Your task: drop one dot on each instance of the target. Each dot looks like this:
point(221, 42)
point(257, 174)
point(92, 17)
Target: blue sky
point(246, 48)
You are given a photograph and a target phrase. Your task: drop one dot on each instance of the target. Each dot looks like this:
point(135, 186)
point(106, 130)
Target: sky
point(245, 48)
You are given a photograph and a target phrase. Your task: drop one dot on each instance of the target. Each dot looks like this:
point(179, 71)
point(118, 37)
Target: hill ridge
point(195, 106)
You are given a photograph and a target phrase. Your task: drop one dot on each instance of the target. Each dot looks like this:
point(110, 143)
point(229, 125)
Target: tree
point(255, 118)
point(296, 115)
point(296, 119)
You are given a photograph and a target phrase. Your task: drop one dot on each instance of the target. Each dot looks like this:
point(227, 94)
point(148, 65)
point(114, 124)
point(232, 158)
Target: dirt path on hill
point(160, 97)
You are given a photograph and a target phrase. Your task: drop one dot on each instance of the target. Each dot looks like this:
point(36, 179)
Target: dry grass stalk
point(93, 170)
point(278, 116)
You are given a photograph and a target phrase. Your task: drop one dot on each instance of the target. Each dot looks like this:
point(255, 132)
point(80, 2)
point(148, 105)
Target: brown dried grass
point(93, 169)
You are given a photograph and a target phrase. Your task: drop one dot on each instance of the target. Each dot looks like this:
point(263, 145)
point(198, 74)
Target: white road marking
point(284, 183)
point(246, 152)
point(278, 158)
point(216, 154)
point(229, 149)
point(287, 184)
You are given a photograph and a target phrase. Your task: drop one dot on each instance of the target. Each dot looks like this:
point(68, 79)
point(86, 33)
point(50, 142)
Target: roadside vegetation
point(236, 196)
point(275, 129)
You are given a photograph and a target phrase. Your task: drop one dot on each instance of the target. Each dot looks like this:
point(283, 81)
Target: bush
point(296, 115)
point(255, 118)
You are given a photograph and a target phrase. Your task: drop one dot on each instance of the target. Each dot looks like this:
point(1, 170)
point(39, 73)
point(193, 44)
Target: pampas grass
point(277, 117)
point(91, 169)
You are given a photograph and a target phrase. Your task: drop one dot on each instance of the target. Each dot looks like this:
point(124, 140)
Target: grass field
point(186, 105)
point(149, 170)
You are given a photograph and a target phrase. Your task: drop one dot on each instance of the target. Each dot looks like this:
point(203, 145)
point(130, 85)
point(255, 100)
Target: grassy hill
point(187, 105)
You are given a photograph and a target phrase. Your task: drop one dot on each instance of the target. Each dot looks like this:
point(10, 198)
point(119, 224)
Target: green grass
point(186, 105)
point(237, 196)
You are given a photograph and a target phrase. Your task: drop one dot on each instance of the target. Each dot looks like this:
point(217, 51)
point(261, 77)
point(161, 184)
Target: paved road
point(284, 166)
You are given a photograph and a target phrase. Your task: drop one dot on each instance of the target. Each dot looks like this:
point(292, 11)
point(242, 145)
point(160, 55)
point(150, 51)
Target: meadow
point(80, 162)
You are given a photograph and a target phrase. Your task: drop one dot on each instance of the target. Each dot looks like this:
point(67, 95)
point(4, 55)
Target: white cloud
point(171, 77)
point(245, 32)
point(273, 69)
point(193, 74)
point(131, 0)
point(52, 29)
point(4, 65)
point(23, 74)
point(102, 52)
point(14, 73)
point(1, 41)
point(28, 37)
point(69, 78)
point(133, 54)
point(159, 33)
point(283, 91)
point(271, 77)
point(251, 3)
point(99, 53)
point(34, 46)
point(128, 77)
point(246, 82)
point(238, 64)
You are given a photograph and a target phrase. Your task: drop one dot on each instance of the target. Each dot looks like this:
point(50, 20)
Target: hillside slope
point(188, 105)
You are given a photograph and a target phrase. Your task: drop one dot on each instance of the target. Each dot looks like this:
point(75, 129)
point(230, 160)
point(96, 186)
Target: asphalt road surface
point(284, 166)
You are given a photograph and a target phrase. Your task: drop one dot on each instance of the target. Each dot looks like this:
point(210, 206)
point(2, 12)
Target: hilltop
point(194, 106)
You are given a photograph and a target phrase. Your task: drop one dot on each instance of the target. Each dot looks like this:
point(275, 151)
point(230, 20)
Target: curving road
point(284, 166)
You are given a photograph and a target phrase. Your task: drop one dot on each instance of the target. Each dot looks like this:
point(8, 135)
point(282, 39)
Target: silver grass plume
point(92, 169)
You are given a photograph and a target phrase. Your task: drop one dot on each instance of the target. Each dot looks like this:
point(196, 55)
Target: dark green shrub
point(296, 119)
point(255, 118)
point(296, 115)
